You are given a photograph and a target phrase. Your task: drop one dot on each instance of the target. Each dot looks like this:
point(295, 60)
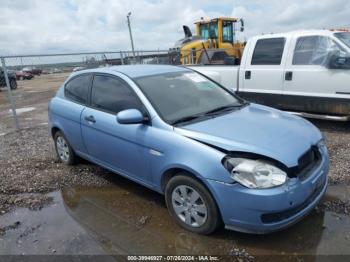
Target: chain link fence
point(28, 82)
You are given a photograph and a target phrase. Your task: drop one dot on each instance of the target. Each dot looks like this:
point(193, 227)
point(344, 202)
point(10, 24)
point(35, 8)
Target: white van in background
point(301, 71)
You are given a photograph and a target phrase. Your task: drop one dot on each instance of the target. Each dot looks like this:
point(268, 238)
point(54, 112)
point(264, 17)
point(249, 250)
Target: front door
point(117, 146)
point(312, 86)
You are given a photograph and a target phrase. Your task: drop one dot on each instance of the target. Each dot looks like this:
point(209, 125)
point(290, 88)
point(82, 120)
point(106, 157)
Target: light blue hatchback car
point(216, 158)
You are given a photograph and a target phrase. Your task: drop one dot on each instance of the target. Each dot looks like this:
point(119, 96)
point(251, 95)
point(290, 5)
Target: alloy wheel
point(62, 149)
point(189, 206)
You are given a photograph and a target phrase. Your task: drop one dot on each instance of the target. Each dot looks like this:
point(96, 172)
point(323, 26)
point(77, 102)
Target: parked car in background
point(32, 70)
point(12, 79)
point(23, 75)
point(56, 71)
point(215, 157)
point(302, 71)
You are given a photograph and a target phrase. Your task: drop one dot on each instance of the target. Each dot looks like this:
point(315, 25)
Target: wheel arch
point(175, 171)
point(54, 130)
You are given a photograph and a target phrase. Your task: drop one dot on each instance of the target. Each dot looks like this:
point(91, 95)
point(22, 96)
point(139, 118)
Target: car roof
point(134, 71)
point(323, 32)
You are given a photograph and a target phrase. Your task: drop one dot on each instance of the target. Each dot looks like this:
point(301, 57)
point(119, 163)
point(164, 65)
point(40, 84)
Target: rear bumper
point(261, 211)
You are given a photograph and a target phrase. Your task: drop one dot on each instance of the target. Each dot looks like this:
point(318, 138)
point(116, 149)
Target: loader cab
point(221, 29)
point(220, 33)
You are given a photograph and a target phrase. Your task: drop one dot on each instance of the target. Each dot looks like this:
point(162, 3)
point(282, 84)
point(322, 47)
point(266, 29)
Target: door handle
point(90, 119)
point(247, 74)
point(288, 76)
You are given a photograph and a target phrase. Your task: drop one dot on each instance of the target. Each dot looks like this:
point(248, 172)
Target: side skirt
point(331, 106)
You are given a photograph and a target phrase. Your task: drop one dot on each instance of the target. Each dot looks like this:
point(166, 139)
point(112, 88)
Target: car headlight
point(254, 173)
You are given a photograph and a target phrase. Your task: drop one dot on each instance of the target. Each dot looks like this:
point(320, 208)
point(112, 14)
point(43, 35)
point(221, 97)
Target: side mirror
point(130, 116)
point(339, 61)
point(242, 25)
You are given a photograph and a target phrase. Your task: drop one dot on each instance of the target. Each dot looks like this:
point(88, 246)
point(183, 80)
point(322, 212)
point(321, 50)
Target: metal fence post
point(157, 56)
point(121, 57)
point(13, 106)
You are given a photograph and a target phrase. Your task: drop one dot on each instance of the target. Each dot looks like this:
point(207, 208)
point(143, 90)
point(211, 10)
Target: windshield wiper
point(223, 108)
point(186, 119)
point(208, 113)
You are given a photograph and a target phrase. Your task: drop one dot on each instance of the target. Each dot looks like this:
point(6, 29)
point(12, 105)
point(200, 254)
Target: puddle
point(128, 219)
point(22, 110)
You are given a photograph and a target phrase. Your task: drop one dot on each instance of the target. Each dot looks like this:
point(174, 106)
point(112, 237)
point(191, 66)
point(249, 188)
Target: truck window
point(213, 29)
point(313, 50)
point(227, 32)
point(268, 51)
point(204, 31)
point(344, 37)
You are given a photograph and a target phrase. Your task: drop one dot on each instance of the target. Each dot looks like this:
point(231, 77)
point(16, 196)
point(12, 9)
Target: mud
point(126, 218)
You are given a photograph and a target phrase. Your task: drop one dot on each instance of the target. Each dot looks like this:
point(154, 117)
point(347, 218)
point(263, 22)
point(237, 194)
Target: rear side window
point(77, 89)
point(268, 51)
point(313, 50)
point(113, 95)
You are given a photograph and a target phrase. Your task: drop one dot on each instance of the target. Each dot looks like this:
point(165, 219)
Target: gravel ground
point(338, 142)
point(29, 169)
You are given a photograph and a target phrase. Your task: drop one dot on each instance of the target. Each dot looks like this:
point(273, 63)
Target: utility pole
point(132, 41)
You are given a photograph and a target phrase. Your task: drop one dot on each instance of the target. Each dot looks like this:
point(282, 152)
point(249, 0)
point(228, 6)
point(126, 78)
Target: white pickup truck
point(302, 71)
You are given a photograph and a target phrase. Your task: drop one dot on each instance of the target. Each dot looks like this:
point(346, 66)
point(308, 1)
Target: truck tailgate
point(225, 75)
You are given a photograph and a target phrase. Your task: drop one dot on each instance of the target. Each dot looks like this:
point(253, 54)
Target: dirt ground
point(49, 208)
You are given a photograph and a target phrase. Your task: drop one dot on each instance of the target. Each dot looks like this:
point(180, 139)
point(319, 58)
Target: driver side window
point(313, 50)
point(113, 95)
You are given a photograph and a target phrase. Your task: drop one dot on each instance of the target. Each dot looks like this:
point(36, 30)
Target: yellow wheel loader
point(214, 43)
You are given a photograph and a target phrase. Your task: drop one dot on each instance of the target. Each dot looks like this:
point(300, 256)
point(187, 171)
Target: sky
point(56, 26)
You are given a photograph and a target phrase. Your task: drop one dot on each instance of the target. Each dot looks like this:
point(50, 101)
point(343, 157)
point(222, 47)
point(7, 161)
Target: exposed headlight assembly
point(254, 173)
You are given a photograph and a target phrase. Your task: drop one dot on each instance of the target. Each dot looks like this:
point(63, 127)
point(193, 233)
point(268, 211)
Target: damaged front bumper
point(262, 211)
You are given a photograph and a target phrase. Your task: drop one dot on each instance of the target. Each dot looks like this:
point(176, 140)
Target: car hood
point(257, 129)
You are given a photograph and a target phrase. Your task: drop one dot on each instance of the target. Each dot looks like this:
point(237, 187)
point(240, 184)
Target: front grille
point(280, 216)
point(307, 162)
point(307, 158)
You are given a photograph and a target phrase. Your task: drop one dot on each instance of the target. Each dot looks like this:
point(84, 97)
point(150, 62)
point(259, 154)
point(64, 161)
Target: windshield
point(344, 37)
point(208, 30)
point(183, 95)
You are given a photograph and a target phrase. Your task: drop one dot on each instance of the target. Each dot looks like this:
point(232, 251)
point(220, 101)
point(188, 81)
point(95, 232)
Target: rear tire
point(191, 205)
point(64, 151)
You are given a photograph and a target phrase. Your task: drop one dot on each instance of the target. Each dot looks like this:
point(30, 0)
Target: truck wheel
point(64, 151)
point(13, 84)
point(191, 205)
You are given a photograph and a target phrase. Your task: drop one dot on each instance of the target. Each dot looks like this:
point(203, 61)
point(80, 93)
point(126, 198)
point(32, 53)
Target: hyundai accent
point(216, 158)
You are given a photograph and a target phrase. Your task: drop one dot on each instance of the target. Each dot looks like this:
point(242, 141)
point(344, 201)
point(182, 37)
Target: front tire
point(64, 151)
point(191, 205)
